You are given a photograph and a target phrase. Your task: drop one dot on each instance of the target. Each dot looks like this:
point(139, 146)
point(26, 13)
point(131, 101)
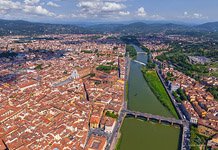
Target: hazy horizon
point(112, 22)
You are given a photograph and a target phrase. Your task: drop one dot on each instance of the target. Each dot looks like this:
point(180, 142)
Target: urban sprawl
point(67, 92)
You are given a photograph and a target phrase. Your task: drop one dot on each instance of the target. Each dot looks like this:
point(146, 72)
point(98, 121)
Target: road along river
point(145, 135)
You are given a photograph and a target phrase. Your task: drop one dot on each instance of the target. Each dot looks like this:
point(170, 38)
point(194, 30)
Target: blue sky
point(195, 11)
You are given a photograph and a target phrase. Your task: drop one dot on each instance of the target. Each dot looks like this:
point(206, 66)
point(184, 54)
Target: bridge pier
point(161, 119)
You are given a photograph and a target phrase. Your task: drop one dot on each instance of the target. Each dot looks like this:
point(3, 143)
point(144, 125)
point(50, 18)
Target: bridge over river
point(148, 116)
point(172, 121)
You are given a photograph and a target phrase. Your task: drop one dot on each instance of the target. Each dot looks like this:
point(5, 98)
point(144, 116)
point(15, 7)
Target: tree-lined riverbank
point(139, 134)
point(158, 89)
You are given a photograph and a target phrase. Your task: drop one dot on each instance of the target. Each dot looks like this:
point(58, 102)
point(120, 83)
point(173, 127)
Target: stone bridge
point(160, 119)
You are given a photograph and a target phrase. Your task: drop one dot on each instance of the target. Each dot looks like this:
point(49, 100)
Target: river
point(142, 135)
point(140, 96)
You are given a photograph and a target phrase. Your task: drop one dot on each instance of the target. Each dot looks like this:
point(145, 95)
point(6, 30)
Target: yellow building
point(206, 131)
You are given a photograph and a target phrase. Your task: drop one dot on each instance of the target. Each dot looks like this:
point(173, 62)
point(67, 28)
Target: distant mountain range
point(19, 27)
point(210, 26)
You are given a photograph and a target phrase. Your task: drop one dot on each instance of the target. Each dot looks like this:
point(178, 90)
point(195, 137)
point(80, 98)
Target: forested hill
point(19, 27)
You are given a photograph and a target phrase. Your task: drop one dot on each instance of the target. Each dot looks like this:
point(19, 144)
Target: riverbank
point(118, 141)
point(140, 96)
point(127, 86)
point(157, 88)
point(139, 134)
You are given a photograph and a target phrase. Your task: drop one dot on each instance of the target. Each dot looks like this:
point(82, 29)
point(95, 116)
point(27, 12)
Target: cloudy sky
point(109, 10)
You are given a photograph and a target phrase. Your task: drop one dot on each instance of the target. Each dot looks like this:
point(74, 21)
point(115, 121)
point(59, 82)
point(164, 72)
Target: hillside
point(19, 27)
point(143, 28)
point(210, 26)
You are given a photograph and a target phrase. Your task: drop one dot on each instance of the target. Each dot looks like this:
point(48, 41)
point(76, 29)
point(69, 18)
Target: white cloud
point(31, 2)
point(90, 9)
point(141, 12)
point(124, 13)
point(26, 8)
point(37, 10)
point(79, 15)
point(52, 4)
point(111, 6)
point(7, 4)
point(88, 4)
point(195, 15)
point(61, 16)
point(2, 12)
point(110, 9)
point(99, 8)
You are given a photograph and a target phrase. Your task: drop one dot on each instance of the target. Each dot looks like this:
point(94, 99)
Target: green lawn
point(159, 90)
point(106, 68)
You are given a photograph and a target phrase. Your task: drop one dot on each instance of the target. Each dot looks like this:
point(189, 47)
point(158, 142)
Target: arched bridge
point(160, 119)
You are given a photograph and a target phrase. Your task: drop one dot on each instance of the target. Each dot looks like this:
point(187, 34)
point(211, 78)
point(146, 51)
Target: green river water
point(142, 135)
